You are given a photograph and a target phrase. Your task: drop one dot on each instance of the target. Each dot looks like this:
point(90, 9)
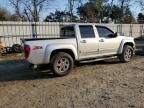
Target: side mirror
point(115, 34)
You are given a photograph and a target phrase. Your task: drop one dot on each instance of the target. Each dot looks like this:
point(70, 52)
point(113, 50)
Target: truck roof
point(69, 25)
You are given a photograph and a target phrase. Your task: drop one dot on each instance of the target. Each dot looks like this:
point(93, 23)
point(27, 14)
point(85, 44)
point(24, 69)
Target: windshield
point(67, 32)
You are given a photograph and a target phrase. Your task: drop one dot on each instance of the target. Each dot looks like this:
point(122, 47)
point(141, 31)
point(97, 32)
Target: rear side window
point(87, 31)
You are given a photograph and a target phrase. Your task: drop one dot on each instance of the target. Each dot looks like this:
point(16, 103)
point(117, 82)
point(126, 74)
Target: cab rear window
point(67, 32)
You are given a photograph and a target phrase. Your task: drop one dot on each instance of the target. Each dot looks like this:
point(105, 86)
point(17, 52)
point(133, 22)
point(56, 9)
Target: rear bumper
point(33, 66)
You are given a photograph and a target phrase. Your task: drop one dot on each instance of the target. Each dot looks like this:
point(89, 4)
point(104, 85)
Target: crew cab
point(78, 43)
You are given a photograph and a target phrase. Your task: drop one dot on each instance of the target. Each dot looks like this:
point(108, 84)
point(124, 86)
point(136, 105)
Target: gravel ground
point(105, 84)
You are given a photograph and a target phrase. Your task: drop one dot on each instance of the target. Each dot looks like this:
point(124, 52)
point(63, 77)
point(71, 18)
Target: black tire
point(17, 48)
point(127, 54)
point(61, 64)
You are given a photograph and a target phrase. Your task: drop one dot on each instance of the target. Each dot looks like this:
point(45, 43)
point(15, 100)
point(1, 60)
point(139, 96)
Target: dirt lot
point(102, 84)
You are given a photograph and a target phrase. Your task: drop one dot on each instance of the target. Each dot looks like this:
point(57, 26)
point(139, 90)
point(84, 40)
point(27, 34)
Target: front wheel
point(61, 64)
point(127, 54)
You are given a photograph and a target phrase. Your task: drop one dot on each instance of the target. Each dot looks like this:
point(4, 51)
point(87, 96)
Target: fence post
point(34, 33)
point(119, 29)
point(0, 43)
point(131, 30)
point(141, 27)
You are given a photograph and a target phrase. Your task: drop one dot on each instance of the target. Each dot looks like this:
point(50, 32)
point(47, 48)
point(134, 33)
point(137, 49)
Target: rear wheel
point(127, 54)
point(61, 64)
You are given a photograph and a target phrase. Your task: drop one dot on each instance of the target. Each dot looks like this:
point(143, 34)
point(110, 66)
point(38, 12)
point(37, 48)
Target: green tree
point(128, 17)
point(88, 12)
point(140, 18)
point(121, 16)
point(59, 16)
point(116, 14)
point(96, 10)
point(100, 6)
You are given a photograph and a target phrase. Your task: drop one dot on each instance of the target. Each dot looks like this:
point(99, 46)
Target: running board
point(98, 59)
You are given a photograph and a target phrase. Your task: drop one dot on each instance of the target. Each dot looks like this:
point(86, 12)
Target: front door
point(108, 43)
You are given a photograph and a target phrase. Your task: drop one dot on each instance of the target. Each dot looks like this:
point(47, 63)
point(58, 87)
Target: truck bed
point(36, 39)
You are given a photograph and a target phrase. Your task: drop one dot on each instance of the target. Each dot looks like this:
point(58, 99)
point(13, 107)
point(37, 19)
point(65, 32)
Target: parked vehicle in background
point(78, 42)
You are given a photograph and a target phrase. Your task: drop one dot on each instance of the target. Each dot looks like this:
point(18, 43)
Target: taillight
point(36, 47)
point(26, 50)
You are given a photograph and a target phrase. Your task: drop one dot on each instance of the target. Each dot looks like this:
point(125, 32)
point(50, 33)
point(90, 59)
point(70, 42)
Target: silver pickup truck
point(78, 43)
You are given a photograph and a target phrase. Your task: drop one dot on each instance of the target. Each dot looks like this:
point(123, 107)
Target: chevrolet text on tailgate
point(78, 43)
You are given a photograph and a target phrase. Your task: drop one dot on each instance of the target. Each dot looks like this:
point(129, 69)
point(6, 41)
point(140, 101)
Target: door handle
point(101, 40)
point(83, 41)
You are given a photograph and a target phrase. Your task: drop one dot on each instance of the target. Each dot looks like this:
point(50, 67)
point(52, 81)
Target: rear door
point(108, 44)
point(88, 44)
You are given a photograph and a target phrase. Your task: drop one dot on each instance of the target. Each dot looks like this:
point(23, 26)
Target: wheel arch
point(68, 51)
point(129, 43)
point(55, 48)
point(123, 44)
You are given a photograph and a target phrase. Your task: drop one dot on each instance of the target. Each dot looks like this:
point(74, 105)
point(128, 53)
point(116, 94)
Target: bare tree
point(71, 8)
point(110, 9)
point(16, 5)
point(141, 4)
point(31, 8)
point(73, 4)
point(123, 5)
point(111, 3)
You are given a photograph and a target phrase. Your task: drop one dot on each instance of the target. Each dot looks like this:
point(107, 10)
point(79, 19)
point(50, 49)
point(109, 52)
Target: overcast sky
point(60, 5)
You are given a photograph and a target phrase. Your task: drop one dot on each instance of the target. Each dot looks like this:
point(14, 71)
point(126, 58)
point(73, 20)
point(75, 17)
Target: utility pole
point(69, 5)
point(70, 9)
